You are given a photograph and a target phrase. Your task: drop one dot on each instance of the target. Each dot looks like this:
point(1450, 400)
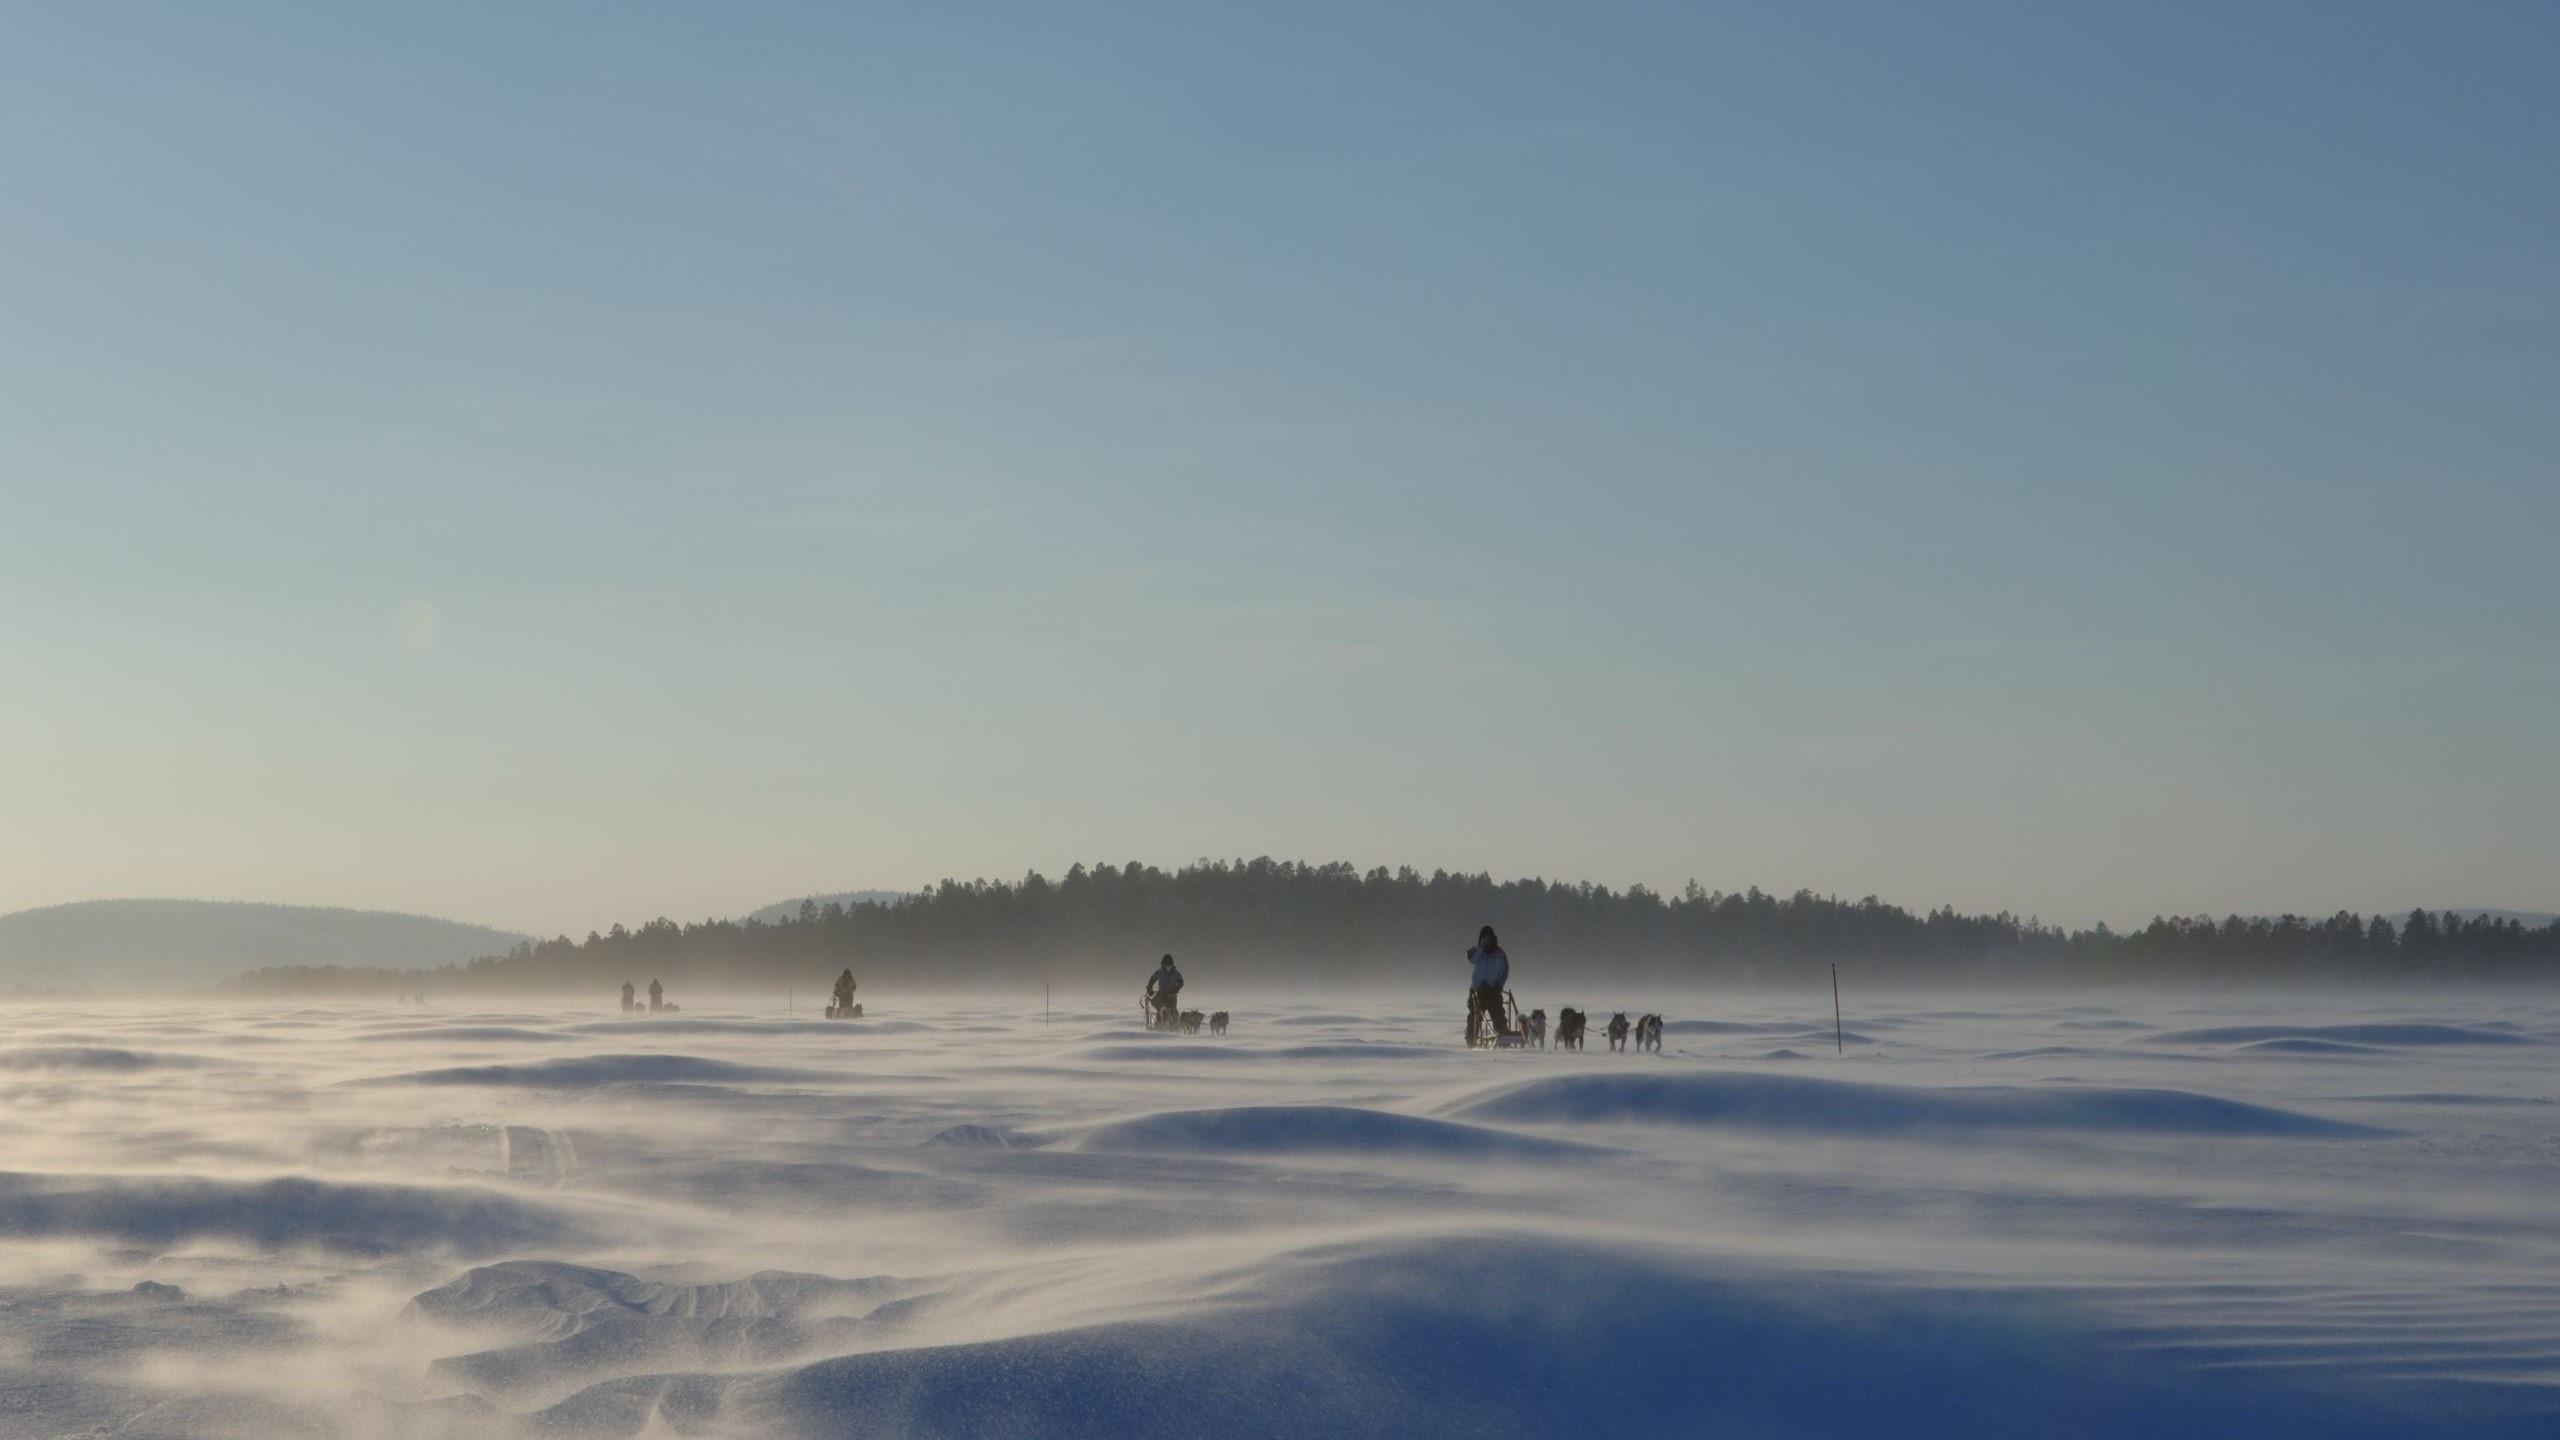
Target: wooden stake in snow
point(1838, 1045)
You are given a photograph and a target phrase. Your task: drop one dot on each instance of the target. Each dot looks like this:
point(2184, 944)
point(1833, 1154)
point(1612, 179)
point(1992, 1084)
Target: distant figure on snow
point(628, 1003)
point(843, 1008)
point(657, 997)
point(1164, 990)
point(1491, 972)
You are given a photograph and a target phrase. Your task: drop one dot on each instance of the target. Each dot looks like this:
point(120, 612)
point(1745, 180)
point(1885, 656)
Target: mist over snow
point(129, 946)
point(2089, 1217)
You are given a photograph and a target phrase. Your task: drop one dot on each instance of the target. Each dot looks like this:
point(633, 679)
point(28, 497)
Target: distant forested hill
point(1281, 922)
point(125, 944)
point(781, 910)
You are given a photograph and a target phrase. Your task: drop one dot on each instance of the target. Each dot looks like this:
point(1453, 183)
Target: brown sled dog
point(1618, 1028)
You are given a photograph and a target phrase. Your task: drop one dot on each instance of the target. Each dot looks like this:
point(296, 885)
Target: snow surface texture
point(2270, 1217)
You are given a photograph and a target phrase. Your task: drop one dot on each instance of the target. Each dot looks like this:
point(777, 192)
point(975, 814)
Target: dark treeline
point(1276, 922)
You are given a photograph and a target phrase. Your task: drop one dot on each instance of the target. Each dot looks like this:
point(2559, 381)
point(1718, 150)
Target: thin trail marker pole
point(1044, 1007)
point(1838, 1045)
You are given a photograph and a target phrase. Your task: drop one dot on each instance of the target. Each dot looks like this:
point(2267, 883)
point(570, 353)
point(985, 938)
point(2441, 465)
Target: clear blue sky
point(557, 464)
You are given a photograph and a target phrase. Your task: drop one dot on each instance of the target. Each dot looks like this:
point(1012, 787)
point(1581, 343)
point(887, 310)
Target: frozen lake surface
point(2086, 1216)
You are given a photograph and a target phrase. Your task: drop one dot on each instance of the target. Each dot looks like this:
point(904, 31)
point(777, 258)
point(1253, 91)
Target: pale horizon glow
point(552, 468)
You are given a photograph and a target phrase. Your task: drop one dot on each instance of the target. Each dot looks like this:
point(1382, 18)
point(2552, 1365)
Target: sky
point(551, 465)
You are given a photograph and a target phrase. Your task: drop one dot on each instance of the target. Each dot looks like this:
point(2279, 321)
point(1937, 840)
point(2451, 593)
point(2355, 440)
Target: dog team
point(1571, 1024)
point(1490, 1023)
point(1491, 1018)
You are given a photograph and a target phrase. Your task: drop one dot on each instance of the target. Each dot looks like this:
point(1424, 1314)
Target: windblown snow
point(2254, 1216)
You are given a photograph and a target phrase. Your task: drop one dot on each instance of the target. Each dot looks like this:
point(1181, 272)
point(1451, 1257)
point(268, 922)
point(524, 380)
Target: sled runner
point(1496, 1030)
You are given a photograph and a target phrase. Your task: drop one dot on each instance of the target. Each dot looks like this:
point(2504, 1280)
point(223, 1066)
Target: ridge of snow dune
point(466, 1033)
point(1239, 1053)
point(2304, 1045)
point(1397, 1339)
point(548, 1299)
point(98, 1057)
point(563, 1326)
point(1267, 1129)
point(994, 1137)
point(581, 1071)
point(2362, 1035)
point(2445, 1097)
point(1846, 1107)
point(278, 1213)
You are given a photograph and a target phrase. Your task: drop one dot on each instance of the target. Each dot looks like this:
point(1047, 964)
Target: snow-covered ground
point(2090, 1216)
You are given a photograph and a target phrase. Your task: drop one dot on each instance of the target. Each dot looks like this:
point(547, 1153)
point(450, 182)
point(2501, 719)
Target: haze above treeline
point(1279, 922)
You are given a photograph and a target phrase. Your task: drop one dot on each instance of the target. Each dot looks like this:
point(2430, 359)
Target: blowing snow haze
point(1926, 568)
point(122, 945)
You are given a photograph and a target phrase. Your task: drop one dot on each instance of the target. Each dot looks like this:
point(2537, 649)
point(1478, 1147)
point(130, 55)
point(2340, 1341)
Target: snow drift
point(1795, 1103)
point(953, 1220)
point(586, 1071)
point(1500, 1335)
point(2365, 1035)
point(279, 1213)
point(1267, 1129)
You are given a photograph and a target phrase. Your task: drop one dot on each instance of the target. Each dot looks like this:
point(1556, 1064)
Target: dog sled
point(1501, 1029)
